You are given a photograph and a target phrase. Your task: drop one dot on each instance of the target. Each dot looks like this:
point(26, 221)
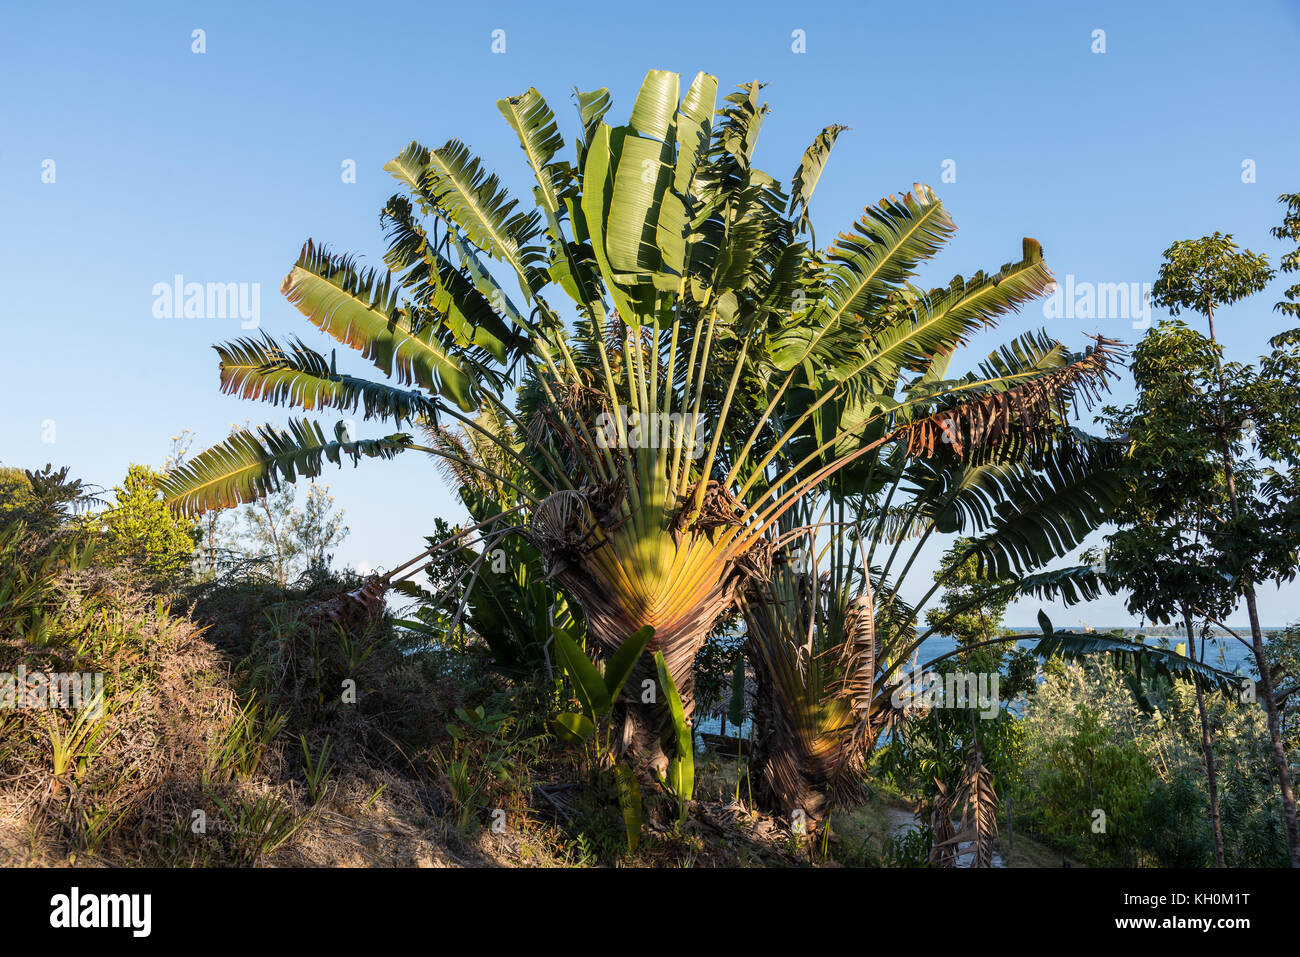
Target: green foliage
point(290, 541)
point(629, 802)
point(927, 757)
point(246, 741)
point(911, 848)
point(1203, 274)
point(1282, 656)
point(33, 569)
point(16, 497)
point(694, 288)
point(971, 607)
point(50, 502)
point(597, 694)
point(1089, 746)
point(1289, 229)
point(1133, 656)
point(1084, 772)
point(715, 668)
point(254, 827)
point(139, 530)
point(680, 779)
point(317, 769)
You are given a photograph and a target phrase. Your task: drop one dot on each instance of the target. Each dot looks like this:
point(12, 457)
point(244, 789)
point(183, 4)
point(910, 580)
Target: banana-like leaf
point(629, 802)
point(359, 309)
point(809, 172)
point(884, 248)
point(681, 767)
point(1045, 515)
point(694, 127)
point(451, 182)
point(1133, 655)
point(572, 728)
point(587, 682)
point(621, 663)
point(437, 285)
point(534, 123)
point(937, 323)
point(300, 376)
point(591, 110)
point(246, 466)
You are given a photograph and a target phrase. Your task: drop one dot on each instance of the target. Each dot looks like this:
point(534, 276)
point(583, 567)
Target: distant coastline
point(1150, 631)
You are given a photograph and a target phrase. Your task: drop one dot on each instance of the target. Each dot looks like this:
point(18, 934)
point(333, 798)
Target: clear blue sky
point(218, 166)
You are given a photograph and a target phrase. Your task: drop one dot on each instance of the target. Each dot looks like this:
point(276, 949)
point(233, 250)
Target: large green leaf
point(681, 768)
point(883, 250)
point(624, 660)
point(246, 466)
point(299, 376)
point(534, 123)
point(1134, 655)
point(451, 182)
point(810, 171)
point(629, 801)
point(587, 682)
point(360, 310)
point(439, 287)
point(573, 728)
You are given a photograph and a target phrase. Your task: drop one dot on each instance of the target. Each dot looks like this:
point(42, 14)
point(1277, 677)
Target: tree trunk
point(1274, 729)
point(1257, 644)
point(1207, 750)
point(783, 781)
point(641, 720)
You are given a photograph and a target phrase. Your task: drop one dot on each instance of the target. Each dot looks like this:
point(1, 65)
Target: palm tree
point(828, 631)
point(711, 370)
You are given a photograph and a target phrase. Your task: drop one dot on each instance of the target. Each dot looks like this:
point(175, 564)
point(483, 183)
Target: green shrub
point(139, 531)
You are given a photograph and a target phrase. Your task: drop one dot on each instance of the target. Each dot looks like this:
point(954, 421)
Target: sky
point(127, 158)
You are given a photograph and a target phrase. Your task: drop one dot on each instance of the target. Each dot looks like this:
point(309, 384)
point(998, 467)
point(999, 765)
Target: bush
point(139, 531)
point(1090, 746)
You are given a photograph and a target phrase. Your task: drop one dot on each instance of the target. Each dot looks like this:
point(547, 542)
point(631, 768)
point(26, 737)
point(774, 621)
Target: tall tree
point(1204, 275)
point(709, 371)
point(290, 540)
point(317, 528)
point(1162, 552)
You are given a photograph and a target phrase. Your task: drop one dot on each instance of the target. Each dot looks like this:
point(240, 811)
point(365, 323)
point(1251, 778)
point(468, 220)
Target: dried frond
point(1020, 418)
point(979, 817)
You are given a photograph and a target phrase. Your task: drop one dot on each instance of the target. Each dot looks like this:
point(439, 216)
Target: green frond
point(592, 108)
point(261, 369)
point(451, 183)
point(247, 466)
point(809, 172)
point(937, 323)
point(534, 123)
point(1135, 656)
point(437, 285)
point(1043, 515)
point(359, 308)
point(884, 248)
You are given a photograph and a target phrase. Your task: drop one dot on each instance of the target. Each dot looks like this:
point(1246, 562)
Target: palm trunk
point(642, 725)
point(1207, 750)
point(787, 781)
